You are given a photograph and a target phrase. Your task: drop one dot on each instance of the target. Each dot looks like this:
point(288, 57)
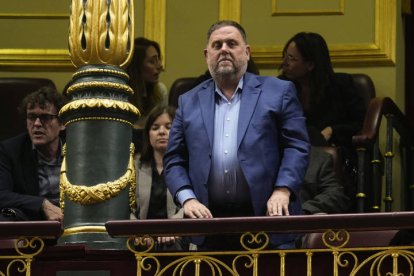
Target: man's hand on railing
point(278, 203)
point(194, 209)
point(51, 211)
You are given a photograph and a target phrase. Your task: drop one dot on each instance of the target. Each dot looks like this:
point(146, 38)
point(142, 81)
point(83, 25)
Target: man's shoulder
point(266, 80)
point(206, 85)
point(16, 141)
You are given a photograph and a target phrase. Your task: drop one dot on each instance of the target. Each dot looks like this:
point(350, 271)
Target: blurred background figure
point(144, 72)
point(154, 201)
point(322, 190)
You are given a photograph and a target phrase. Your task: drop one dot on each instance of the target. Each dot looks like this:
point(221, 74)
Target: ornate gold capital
point(101, 32)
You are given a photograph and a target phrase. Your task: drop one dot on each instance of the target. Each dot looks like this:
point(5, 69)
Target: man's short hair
point(224, 23)
point(41, 97)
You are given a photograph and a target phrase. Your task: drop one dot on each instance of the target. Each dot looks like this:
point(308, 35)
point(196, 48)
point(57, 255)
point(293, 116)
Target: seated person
point(144, 71)
point(30, 162)
point(321, 192)
point(333, 108)
point(154, 201)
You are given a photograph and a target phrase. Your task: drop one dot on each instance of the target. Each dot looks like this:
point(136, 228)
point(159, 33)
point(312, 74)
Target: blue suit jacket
point(272, 142)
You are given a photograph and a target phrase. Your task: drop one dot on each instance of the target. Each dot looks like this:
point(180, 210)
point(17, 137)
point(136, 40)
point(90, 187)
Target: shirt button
point(228, 119)
point(227, 135)
point(226, 151)
point(227, 192)
point(226, 171)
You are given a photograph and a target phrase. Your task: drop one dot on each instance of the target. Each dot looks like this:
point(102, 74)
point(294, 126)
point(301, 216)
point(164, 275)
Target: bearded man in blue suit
point(238, 144)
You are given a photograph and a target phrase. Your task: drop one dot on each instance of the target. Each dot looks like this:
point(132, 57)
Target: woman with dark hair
point(333, 109)
point(144, 71)
point(154, 201)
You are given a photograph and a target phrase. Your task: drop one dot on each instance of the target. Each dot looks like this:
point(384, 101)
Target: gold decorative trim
point(360, 195)
point(33, 16)
point(87, 195)
point(94, 40)
point(155, 23)
point(380, 52)
point(100, 71)
point(27, 249)
point(230, 9)
point(35, 59)
point(345, 260)
point(100, 84)
point(84, 229)
point(389, 154)
point(99, 103)
point(276, 11)
point(99, 118)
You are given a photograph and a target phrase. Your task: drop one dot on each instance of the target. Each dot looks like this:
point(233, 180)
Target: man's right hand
point(194, 209)
point(51, 211)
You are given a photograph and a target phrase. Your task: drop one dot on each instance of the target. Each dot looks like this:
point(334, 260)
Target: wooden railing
point(28, 241)
point(371, 166)
point(335, 258)
point(350, 244)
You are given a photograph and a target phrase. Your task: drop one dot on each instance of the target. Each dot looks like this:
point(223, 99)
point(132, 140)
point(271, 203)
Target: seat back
point(180, 86)
point(365, 87)
point(12, 92)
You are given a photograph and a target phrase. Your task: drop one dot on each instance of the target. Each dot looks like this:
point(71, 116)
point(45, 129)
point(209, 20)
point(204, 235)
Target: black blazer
point(343, 108)
point(321, 191)
point(19, 183)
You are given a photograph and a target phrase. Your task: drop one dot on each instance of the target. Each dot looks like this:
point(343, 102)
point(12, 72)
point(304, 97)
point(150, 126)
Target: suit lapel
point(29, 167)
point(250, 95)
point(207, 105)
point(144, 190)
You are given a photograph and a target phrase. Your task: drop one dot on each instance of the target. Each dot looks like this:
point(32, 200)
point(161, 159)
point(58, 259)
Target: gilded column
point(98, 176)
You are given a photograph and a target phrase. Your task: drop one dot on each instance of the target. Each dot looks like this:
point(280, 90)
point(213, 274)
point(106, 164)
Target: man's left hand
point(278, 203)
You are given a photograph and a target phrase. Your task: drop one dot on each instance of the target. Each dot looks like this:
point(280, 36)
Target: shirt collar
point(43, 158)
point(239, 89)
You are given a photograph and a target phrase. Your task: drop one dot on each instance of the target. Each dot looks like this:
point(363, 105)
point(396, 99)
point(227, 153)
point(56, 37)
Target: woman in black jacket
point(333, 108)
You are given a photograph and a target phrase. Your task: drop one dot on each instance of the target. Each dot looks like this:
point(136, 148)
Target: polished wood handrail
point(371, 165)
point(44, 229)
point(283, 224)
point(379, 107)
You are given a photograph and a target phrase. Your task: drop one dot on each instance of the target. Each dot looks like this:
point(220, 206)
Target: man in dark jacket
point(321, 191)
point(30, 162)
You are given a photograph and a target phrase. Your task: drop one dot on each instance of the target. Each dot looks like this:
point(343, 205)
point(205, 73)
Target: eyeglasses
point(44, 118)
point(290, 58)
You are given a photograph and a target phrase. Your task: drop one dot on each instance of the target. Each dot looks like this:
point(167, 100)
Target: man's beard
point(225, 73)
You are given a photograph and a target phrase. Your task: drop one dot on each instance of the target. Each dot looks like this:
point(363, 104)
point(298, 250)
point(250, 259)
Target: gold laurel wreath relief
point(88, 195)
